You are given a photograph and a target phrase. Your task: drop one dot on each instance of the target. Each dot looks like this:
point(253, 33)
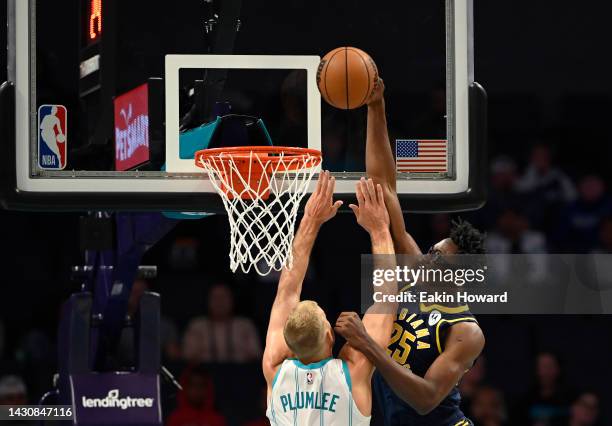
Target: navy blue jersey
point(417, 340)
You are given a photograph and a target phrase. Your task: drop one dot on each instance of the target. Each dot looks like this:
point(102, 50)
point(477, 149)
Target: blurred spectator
point(547, 187)
point(183, 254)
point(35, 348)
point(512, 235)
point(504, 175)
point(502, 191)
point(221, 337)
point(36, 357)
point(584, 410)
point(548, 402)
point(470, 382)
point(541, 176)
point(13, 391)
point(196, 403)
point(581, 220)
point(169, 339)
point(488, 407)
point(261, 419)
point(605, 237)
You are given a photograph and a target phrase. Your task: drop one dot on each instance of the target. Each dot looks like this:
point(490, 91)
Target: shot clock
point(98, 66)
point(92, 25)
point(93, 22)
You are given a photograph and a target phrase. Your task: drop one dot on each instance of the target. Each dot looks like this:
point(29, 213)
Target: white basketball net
point(261, 230)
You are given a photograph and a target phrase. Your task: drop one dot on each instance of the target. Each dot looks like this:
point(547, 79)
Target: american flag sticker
point(421, 156)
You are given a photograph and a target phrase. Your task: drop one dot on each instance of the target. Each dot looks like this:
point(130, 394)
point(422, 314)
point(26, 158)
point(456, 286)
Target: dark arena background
point(546, 67)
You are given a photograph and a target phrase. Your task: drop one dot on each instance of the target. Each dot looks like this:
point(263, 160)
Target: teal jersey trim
point(312, 366)
point(297, 392)
point(347, 375)
point(349, 383)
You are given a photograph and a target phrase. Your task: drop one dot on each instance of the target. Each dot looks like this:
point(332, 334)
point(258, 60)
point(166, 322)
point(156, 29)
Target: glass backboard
point(110, 97)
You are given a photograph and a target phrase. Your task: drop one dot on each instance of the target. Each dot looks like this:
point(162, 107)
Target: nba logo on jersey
point(52, 137)
point(434, 318)
point(309, 378)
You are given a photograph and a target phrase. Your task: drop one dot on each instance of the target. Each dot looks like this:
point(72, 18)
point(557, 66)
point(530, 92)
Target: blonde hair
point(305, 330)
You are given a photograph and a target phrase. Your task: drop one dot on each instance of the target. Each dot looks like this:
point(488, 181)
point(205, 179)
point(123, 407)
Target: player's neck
point(316, 358)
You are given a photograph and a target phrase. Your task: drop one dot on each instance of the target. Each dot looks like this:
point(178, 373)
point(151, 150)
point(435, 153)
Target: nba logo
point(52, 137)
point(309, 378)
point(434, 318)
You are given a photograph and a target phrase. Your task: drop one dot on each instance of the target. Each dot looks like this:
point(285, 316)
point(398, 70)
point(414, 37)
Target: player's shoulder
point(453, 326)
point(467, 331)
point(466, 336)
point(272, 372)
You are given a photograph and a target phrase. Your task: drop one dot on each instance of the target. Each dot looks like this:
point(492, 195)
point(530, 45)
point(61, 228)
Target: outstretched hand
point(371, 213)
point(320, 206)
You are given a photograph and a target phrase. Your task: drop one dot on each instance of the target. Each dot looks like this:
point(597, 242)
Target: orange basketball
point(346, 77)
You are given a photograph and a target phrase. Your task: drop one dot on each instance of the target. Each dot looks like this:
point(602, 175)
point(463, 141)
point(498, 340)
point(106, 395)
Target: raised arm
point(380, 166)
point(372, 215)
point(319, 209)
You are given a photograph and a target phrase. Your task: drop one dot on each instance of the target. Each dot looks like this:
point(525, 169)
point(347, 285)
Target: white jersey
point(318, 394)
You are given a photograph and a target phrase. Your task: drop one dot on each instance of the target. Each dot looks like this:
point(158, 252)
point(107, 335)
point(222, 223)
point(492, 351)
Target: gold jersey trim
point(446, 309)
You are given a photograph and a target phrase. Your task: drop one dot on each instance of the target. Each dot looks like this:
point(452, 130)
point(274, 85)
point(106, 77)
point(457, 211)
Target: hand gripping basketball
point(346, 77)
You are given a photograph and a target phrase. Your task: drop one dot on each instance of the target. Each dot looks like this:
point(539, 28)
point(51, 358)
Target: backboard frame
point(21, 191)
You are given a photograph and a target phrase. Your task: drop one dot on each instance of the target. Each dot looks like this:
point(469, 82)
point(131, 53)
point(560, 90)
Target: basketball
point(346, 77)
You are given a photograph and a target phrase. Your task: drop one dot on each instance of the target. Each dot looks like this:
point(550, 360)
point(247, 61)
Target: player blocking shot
point(432, 347)
point(306, 384)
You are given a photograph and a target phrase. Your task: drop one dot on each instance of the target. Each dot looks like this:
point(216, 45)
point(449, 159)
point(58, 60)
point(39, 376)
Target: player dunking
point(306, 385)
point(431, 349)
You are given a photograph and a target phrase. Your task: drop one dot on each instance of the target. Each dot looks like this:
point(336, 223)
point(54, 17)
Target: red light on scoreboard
point(94, 30)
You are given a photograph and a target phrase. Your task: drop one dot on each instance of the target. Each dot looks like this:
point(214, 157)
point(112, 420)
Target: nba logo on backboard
point(52, 137)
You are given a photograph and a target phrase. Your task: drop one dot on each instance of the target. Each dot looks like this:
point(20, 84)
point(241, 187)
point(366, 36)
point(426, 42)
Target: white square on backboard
point(174, 63)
